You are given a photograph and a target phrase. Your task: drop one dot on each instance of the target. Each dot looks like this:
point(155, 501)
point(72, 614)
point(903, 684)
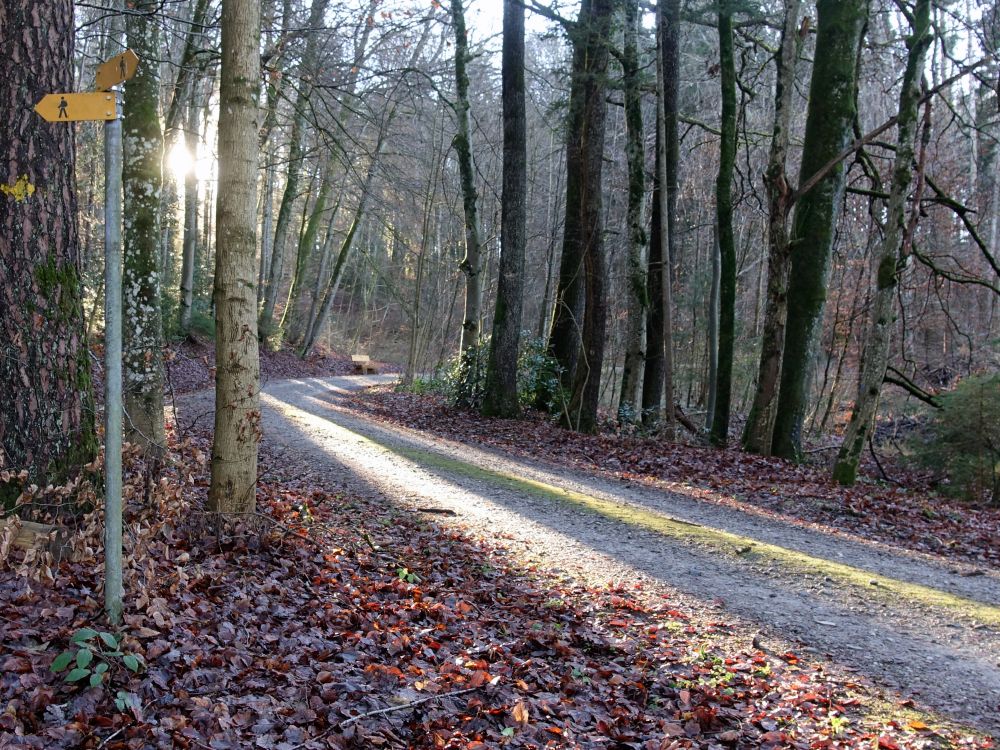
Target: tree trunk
point(724, 219)
point(580, 319)
point(501, 396)
point(237, 378)
point(652, 377)
point(892, 256)
point(47, 410)
point(638, 301)
point(667, 60)
point(463, 150)
point(760, 422)
point(189, 253)
point(713, 332)
point(142, 181)
point(831, 113)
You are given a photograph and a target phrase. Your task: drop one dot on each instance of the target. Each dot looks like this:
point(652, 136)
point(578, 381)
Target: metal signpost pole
point(105, 104)
point(113, 366)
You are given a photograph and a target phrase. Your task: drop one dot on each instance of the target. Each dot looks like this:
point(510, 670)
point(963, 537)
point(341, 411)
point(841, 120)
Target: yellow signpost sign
point(116, 70)
point(93, 105)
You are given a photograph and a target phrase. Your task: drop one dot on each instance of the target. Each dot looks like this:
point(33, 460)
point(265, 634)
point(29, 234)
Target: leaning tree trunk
point(500, 398)
point(142, 181)
point(47, 408)
point(237, 377)
point(760, 422)
point(831, 113)
point(893, 253)
point(307, 66)
point(638, 301)
point(727, 242)
point(584, 232)
point(463, 150)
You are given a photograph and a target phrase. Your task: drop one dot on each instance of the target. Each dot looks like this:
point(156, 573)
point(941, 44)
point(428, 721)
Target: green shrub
point(463, 379)
point(963, 441)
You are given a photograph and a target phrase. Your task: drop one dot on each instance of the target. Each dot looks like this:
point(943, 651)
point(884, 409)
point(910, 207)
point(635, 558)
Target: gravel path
point(871, 610)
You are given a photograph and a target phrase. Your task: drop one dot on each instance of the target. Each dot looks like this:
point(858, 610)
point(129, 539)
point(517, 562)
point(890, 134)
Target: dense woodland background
point(381, 144)
point(367, 102)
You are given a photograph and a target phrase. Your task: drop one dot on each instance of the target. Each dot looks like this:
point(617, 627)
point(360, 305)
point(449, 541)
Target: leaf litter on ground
point(333, 621)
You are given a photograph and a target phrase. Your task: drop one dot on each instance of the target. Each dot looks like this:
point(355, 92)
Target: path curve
point(839, 597)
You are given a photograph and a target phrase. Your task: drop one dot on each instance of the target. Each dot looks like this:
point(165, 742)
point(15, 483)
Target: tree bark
point(719, 434)
point(760, 422)
point(142, 182)
point(189, 252)
point(638, 301)
point(892, 256)
point(501, 396)
point(831, 113)
point(47, 409)
point(577, 337)
point(470, 265)
point(237, 378)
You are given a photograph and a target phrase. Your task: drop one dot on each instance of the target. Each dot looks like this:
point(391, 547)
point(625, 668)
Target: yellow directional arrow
point(119, 68)
point(94, 105)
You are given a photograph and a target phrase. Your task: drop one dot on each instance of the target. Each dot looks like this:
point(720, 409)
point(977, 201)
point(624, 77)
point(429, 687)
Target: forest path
point(919, 628)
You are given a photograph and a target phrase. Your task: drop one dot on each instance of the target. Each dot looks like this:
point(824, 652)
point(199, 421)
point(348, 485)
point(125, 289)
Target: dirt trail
point(917, 627)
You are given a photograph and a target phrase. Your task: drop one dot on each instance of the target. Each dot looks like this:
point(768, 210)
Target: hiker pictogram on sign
point(91, 105)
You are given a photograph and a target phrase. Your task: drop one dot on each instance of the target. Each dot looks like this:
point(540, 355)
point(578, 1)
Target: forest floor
point(404, 589)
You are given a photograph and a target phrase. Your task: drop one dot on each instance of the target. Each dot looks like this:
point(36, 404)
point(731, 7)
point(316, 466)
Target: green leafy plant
point(963, 441)
point(407, 576)
point(96, 657)
point(463, 379)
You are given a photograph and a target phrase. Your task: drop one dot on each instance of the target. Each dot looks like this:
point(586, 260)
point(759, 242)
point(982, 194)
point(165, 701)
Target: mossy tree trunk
point(237, 377)
point(470, 265)
point(47, 407)
point(893, 253)
point(831, 112)
point(501, 396)
point(638, 300)
point(578, 330)
point(724, 226)
point(142, 182)
point(760, 422)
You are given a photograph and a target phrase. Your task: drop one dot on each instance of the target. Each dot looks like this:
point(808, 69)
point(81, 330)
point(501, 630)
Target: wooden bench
point(363, 364)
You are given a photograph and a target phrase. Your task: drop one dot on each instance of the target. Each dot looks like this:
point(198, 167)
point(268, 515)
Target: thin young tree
point(501, 396)
point(724, 227)
point(142, 182)
point(893, 253)
point(307, 75)
point(237, 378)
point(829, 122)
point(47, 408)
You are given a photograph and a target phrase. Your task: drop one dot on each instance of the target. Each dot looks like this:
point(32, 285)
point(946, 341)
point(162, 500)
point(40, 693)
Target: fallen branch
point(402, 707)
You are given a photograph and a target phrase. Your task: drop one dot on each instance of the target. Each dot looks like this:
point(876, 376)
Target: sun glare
point(180, 160)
